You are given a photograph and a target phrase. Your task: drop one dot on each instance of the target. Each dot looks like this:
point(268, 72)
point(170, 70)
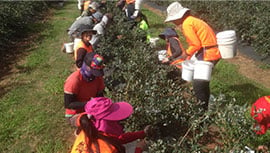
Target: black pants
point(130, 10)
point(202, 91)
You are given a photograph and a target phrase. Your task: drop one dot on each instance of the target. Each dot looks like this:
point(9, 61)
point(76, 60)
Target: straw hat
point(175, 11)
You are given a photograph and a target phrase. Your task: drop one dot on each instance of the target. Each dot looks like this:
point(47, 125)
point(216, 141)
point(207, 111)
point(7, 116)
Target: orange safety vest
point(80, 146)
point(177, 62)
point(130, 1)
point(86, 4)
point(200, 35)
point(81, 44)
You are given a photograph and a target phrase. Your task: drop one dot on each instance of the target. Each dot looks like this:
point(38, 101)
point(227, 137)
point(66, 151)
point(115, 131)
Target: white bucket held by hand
point(187, 70)
point(203, 70)
point(226, 41)
point(162, 54)
point(69, 47)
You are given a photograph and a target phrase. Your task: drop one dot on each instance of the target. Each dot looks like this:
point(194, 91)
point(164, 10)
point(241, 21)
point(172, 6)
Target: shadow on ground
point(13, 53)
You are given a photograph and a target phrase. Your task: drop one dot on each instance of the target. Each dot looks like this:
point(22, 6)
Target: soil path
point(246, 66)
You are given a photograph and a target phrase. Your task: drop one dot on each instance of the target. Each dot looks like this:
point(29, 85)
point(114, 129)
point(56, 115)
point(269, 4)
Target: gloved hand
point(135, 14)
point(149, 131)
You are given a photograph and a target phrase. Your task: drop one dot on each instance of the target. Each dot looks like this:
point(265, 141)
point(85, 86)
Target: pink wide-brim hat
point(104, 108)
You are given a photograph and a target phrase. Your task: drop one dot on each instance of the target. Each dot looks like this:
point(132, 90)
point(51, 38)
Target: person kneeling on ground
point(82, 85)
point(87, 21)
point(100, 28)
point(92, 140)
point(84, 46)
point(106, 116)
point(174, 48)
point(92, 8)
point(142, 24)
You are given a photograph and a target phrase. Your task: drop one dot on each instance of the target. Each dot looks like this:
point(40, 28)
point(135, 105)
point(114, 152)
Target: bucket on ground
point(69, 47)
point(203, 70)
point(227, 41)
point(187, 70)
point(162, 54)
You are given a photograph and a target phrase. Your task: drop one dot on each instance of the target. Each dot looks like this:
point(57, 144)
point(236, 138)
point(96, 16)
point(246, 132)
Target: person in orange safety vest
point(202, 43)
point(84, 46)
point(174, 48)
point(101, 120)
point(91, 140)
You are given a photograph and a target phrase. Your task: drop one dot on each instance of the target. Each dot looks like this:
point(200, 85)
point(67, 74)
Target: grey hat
point(86, 28)
point(98, 16)
point(94, 5)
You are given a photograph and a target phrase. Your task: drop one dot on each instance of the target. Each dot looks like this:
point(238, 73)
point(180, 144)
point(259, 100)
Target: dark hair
point(143, 17)
point(93, 135)
point(185, 16)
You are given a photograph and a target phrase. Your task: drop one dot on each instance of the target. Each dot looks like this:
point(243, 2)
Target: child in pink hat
point(260, 111)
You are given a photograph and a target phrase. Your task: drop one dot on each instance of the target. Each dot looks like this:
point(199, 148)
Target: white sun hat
point(175, 11)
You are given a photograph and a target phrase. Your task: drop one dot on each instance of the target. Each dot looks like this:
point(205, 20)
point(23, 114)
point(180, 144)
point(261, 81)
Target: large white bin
point(187, 70)
point(227, 41)
point(203, 70)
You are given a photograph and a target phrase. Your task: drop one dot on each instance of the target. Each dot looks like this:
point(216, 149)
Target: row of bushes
point(162, 99)
point(16, 17)
point(249, 18)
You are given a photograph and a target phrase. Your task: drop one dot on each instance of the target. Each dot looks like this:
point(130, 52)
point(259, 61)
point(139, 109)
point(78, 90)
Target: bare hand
point(165, 60)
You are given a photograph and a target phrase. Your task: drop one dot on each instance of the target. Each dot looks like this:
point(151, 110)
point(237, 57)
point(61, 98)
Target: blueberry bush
point(162, 99)
point(16, 17)
point(250, 19)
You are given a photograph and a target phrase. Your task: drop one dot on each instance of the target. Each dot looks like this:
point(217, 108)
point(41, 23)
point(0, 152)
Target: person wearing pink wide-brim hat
point(106, 116)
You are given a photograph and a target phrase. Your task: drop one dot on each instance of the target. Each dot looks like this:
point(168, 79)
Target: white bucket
point(162, 54)
point(227, 51)
point(76, 41)
point(203, 70)
point(226, 41)
point(69, 47)
point(228, 34)
point(187, 70)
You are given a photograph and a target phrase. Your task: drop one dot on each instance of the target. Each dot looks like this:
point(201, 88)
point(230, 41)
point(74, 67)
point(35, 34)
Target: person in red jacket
point(260, 111)
point(106, 117)
point(201, 40)
point(82, 85)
